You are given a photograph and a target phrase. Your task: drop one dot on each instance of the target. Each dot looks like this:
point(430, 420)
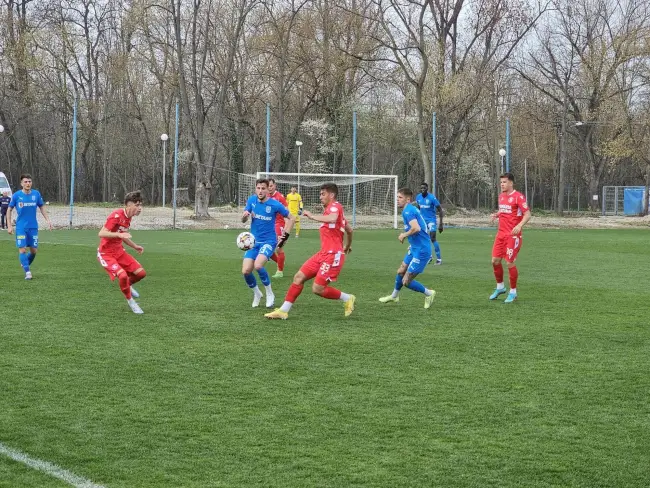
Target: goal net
point(368, 200)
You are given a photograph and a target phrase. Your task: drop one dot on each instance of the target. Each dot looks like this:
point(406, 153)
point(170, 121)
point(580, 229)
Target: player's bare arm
point(517, 228)
point(415, 228)
point(107, 234)
point(10, 228)
point(441, 212)
point(289, 222)
point(348, 238)
point(46, 217)
point(325, 219)
point(139, 249)
point(245, 216)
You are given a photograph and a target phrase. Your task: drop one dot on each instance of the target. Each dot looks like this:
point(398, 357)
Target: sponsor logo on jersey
point(268, 209)
point(505, 208)
point(262, 217)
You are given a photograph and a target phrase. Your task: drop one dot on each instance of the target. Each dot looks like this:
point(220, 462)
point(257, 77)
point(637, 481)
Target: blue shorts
point(417, 262)
point(27, 238)
point(432, 226)
point(265, 248)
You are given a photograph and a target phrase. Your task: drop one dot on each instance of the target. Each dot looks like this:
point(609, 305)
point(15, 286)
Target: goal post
point(368, 200)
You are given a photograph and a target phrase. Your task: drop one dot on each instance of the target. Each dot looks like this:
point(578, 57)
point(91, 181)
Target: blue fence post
point(268, 138)
point(73, 157)
point(354, 168)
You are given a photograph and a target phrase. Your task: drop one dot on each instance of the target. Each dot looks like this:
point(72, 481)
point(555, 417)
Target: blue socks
point(436, 248)
point(264, 276)
point(32, 256)
point(416, 286)
point(398, 282)
point(24, 261)
point(250, 280)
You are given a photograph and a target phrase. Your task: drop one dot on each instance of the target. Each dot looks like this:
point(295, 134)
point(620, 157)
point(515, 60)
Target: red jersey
point(279, 219)
point(117, 221)
point(331, 235)
point(511, 211)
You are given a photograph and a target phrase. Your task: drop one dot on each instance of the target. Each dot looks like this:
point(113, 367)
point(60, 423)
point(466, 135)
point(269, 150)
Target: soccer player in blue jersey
point(428, 204)
point(263, 210)
point(419, 252)
point(25, 202)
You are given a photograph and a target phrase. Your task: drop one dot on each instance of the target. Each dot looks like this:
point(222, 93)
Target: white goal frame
point(354, 181)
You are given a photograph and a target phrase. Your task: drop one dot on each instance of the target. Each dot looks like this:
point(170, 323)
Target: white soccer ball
point(226, 227)
point(245, 241)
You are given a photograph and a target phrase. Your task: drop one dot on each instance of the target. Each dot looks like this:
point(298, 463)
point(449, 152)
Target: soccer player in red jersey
point(278, 256)
point(326, 264)
point(513, 214)
point(111, 253)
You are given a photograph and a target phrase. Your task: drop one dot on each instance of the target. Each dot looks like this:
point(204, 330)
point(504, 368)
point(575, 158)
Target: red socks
point(498, 272)
point(134, 278)
point(274, 258)
point(514, 274)
point(125, 285)
point(280, 261)
point(331, 293)
point(293, 293)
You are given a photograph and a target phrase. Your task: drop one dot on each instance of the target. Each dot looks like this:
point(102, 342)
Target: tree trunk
point(424, 151)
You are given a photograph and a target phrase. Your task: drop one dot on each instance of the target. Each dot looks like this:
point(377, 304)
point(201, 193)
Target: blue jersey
point(263, 224)
point(25, 205)
point(4, 201)
point(420, 241)
point(427, 206)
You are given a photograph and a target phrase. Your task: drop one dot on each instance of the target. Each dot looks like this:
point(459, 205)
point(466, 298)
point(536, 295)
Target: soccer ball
point(245, 241)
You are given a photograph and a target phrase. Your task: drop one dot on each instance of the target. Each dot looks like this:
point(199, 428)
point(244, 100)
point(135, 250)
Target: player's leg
point(394, 297)
point(417, 265)
point(248, 264)
point(32, 243)
point(307, 271)
point(279, 255)
point(330, 268)
point(3, 219)
point(436, 247)
point(23, 254)
point(297, 225)
point(134, 271)
point(498, 253)
point(512, 249)
point(266, 251)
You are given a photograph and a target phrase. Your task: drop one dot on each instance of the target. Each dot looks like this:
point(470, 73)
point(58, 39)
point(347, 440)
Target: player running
point(263, 211)
point(294, 202)
point(513, 214)
point(278, 256)
point(418, 254)
point(111, 253)
point(428, 204)
point(326, 264)
point(25, 202)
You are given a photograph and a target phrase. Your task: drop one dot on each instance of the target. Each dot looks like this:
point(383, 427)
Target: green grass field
point(202, 391)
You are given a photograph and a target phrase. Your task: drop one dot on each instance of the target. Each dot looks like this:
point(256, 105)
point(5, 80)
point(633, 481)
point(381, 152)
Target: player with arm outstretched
point(278, 256)
point(325, 265)
point(419, 252)
point(263, 211)
point(429, 204)
point(111, 253)
point(513, 214)
point(26, 201)
point(294, 202)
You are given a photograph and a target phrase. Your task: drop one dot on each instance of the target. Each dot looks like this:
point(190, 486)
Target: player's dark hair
point(331, 188)
point(262, 180)
point(424, 183)
point(25, 175)
point(406, 192)
point(272, 180)
point(133, 196)
point(510, 176)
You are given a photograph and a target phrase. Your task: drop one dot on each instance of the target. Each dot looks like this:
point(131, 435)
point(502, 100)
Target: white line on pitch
point(48, 468)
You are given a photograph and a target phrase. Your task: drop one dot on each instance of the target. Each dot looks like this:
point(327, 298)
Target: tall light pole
point(164, 138)
point(298, 144)
point(502, 153)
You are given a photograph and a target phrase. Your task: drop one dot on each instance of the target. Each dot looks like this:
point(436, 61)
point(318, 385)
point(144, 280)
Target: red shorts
point(506, 246)
point(113, 264)
point(325, 266)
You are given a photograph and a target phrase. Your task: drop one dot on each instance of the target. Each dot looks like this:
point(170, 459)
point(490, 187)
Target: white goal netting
point(368, 200)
